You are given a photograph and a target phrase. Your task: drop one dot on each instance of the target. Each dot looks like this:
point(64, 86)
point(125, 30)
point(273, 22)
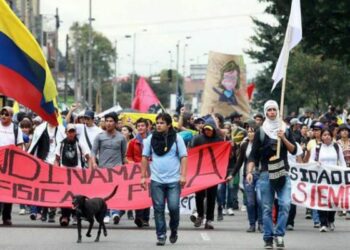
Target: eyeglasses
point(5, 114)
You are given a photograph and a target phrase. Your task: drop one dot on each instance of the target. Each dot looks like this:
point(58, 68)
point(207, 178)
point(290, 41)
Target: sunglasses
point(5, 114)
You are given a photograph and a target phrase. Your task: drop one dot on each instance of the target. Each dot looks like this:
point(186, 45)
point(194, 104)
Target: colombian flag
point(24, 72)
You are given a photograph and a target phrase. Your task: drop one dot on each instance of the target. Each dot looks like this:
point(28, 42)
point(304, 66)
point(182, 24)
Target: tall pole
point(115, 86)
point(90, 59)
point(177, 68)
point(66, 71)
point(133, 69)
point(56, 44)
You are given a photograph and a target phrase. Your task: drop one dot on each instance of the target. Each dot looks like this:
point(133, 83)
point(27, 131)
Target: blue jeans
point(161, 192)
point(315, 216)
point(267, 198)
point(253, 195)
point(225, 195)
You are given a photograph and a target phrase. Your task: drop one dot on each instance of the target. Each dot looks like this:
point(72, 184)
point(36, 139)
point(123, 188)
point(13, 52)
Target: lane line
point(205, 237)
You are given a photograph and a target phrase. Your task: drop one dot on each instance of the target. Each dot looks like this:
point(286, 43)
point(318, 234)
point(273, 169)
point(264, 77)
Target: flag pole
point(285, 66)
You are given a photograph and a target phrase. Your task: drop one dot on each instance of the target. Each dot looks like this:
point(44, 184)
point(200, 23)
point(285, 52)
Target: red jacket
point(134, 152)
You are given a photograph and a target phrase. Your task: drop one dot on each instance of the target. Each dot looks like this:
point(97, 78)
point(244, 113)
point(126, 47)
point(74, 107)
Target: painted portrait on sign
point(229, 83)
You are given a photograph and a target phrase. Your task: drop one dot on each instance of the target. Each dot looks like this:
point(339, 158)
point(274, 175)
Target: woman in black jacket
point(252, 190)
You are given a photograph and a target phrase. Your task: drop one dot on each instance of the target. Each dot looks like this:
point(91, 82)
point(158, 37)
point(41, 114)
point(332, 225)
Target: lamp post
point(115, 84)
point(133, 65)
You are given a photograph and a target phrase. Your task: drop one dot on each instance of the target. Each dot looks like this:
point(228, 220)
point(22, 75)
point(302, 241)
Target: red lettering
point(336, 199)
point(300, 187)
point(322, 200)
point(312, 196)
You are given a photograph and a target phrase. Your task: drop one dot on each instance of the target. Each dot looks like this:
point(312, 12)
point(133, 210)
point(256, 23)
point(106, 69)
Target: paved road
point(228, 234)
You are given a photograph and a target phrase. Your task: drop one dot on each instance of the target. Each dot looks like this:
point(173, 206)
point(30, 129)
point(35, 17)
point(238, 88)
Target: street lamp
point(133, 65)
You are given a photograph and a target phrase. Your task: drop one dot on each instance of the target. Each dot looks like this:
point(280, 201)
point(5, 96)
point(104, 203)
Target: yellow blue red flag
point(24, 73)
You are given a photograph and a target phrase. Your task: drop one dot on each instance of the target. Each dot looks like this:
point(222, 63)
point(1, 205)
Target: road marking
point(205, 237)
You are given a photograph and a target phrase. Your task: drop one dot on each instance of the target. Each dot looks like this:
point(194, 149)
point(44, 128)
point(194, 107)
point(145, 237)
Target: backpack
point(318, 148)
point(69, 153)
point(15, 132)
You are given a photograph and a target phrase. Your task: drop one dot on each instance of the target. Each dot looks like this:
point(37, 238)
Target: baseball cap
point(8, 109)
point(317, 125)
point(90, 114)
point(209, 127)
point(70, 127)
point(295, 121)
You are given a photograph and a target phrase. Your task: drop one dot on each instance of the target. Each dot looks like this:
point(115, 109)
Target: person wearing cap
point(109, 147)
point(316, 127)
point(9, 135)
point(295, 126)
point(276, 182)
point(209, 135)
point(70, 153)
point(259, 119)
point(44, 143)
point(86, 131)
point(306, 118)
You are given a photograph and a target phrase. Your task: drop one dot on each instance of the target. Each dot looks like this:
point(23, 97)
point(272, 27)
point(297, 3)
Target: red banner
point(25, 179)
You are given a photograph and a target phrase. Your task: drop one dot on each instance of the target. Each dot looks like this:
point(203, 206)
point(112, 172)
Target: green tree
point(321, 61)
point(102, 55)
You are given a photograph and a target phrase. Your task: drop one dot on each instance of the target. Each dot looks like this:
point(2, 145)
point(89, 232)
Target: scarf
point(269, 126)
point(161, 143)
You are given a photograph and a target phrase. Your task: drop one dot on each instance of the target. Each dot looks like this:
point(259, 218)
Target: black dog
point(88, 208)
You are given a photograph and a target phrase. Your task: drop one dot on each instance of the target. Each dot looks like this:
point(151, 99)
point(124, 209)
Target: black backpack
point(69, 153)
point(318, 148)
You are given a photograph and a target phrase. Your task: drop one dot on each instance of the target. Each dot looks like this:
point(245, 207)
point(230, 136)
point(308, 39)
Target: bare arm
point(144, 167)
point(183, 171)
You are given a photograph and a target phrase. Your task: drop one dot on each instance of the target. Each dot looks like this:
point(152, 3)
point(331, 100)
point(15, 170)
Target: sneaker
point(290, 227)
point(347, 217)
point(51, 218)
point(32, 216)
point(331, 226)
point(193, 218)
point(173, 237)
point(7, 222)
point(116, 219)
point(145, 224)
point(198, 222)
point(268, 244)
point(235, 207)
point(138, 222)
point(323, 229)
point(260, 228)
point(52, 215)
point(224, 211)
point(230, 212)
point(43, 217)
point(22, 211)
point(106, 219)
point(251, 229)
point(308, 215)
point(130, 215)
point(243, 208)
point(279, 242)
point(161, 241)
point(209, 225)
point(64, 221)
point(317, 225)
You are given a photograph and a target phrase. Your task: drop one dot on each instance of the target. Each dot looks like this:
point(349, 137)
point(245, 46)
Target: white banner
point(321, 187)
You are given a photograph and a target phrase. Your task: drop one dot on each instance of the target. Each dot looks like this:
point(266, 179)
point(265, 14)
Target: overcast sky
point(213, 25)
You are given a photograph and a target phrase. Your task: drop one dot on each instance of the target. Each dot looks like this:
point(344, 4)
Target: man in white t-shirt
point(70, 153)
point(88, 131)
point(45, 140)
point(9, 135)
